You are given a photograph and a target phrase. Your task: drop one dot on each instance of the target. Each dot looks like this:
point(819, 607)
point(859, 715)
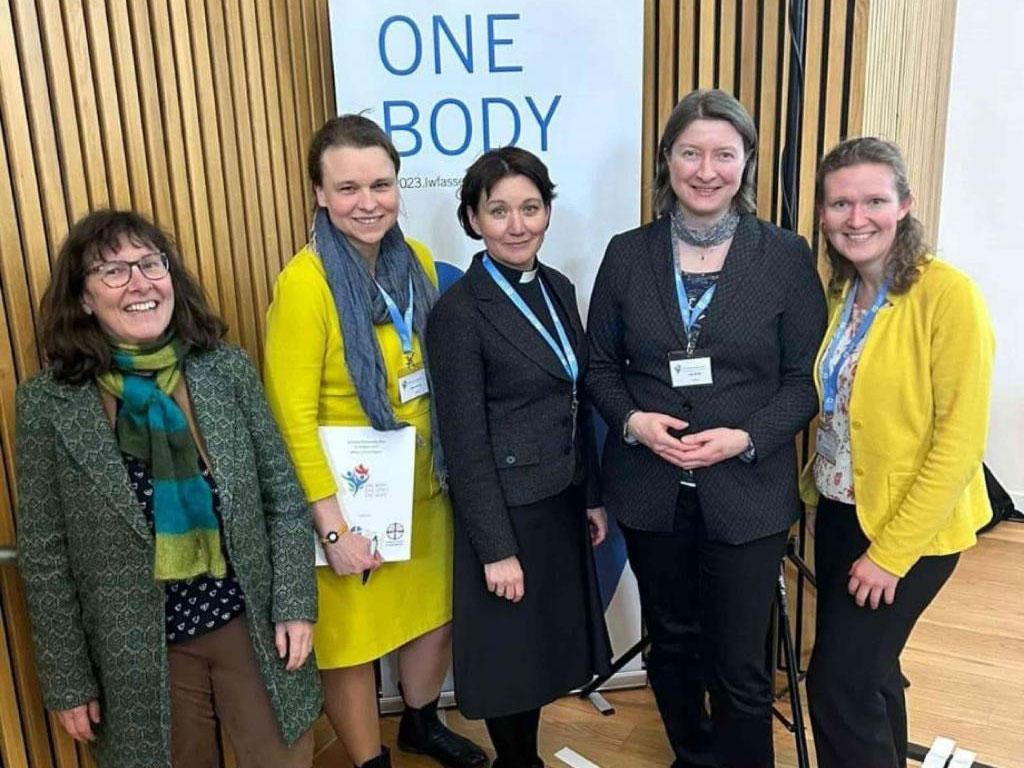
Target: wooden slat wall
point(908, 65)
point(742, 46)
point(195, 113)
point(198, 114)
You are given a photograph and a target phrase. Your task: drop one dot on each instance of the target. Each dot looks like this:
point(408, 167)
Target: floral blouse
point(834, 480)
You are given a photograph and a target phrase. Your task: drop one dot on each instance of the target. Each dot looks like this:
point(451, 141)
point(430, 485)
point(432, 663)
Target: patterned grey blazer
point(762, 332)
point(86, 553)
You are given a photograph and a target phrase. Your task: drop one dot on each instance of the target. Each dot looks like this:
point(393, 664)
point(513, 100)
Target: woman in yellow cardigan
point(904, 375)
point(344, 328)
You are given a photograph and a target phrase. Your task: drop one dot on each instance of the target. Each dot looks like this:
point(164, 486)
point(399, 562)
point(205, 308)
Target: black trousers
point(515, 739)
point(708, 608)
point(854, 681)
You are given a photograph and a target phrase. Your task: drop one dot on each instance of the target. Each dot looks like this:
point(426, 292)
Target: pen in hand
point(373, 553)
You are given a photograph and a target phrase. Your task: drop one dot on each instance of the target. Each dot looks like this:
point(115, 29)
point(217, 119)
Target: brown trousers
point(215, 678)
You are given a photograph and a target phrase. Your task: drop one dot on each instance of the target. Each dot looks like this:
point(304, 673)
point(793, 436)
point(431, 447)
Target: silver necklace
point(707, 237)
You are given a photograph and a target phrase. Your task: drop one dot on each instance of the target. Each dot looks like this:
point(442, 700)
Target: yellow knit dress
point(308, 385)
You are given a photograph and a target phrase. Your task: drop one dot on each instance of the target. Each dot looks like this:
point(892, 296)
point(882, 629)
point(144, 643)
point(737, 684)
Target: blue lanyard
point(837, 353)
point(562, 349)
point(691, 316)
point(402, 324)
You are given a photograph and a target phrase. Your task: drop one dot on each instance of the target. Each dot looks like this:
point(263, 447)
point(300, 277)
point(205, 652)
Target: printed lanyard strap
point(691, 316)
point(402, 324)
point(562, 348)
point(837, 353)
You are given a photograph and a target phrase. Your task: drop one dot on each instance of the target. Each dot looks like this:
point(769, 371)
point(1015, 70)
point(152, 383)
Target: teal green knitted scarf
point(151, 427)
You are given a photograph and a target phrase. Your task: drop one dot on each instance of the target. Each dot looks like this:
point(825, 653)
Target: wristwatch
point(628, 437)
point(749, 454)
point(331, 537)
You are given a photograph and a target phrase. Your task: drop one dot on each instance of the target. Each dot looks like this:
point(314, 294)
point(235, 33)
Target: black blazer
point(503, 406)
point(762, 332)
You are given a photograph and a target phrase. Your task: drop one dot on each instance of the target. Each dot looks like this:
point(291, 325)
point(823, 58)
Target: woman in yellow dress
point(343, 330)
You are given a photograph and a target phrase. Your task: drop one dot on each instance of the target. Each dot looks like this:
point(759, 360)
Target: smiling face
point(706, 163)
point(360, 193)
point(138, 312)
point(860, 212)
point(512, 220)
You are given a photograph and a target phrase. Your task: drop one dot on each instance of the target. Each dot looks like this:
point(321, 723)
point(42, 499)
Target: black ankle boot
point(383, 760)
point(422, 732)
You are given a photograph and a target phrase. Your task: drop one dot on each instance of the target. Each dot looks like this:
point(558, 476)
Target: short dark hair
point(73, 344)
point(707, 104)
point(346, 131)
point(909, 249)
point(493, 166)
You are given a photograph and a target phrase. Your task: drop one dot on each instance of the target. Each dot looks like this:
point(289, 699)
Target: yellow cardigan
point(306, 380)
point(918, 420)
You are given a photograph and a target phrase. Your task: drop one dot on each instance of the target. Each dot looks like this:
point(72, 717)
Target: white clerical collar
point(528, 277)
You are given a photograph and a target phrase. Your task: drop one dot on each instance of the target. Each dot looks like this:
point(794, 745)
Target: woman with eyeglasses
point(162, 534)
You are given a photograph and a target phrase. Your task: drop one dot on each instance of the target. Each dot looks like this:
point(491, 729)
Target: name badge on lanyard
point(685, 369)
point(689, 371)
point(562, 348)
point(827, 443)
point(412, 379)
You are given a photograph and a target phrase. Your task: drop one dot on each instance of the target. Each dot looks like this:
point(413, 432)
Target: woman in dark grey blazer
point(165, 544)
point(509, 356)
point(703, 328)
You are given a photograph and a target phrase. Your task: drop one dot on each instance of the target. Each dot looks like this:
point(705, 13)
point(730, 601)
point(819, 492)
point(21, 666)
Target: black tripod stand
point(786, 647)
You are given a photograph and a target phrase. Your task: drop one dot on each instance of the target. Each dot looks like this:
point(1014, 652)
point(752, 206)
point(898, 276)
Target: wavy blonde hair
point(909, 249)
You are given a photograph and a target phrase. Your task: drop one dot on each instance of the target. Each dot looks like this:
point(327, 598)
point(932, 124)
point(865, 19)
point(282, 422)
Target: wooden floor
point(965, 661)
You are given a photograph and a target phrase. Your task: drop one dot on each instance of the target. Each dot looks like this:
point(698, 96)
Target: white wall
point(981, 228)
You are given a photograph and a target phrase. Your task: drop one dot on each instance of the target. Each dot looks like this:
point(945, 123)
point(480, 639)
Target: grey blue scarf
point(361, 307)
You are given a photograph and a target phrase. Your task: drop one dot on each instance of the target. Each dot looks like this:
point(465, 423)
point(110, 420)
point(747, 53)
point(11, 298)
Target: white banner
point(450, 79)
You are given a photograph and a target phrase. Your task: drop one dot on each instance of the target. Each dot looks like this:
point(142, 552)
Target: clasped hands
point(693, 451)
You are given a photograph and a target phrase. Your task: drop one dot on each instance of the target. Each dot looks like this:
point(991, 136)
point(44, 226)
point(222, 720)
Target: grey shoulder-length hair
point(709, 104)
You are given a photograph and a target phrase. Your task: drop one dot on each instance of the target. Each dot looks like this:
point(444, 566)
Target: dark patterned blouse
point(696, 284)
point(196, 606)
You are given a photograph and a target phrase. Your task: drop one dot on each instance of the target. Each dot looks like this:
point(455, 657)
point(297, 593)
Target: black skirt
point(512, 657)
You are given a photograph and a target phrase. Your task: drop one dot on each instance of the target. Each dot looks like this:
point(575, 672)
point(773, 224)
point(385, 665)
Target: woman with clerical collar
point(510, 357)
point(703, 327)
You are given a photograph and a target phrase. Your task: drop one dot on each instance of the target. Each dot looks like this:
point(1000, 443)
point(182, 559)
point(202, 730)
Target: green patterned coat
point(86, 553)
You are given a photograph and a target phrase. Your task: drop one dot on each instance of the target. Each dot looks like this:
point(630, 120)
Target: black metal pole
point(790, 210)
point(803, 759)
point(794, 112)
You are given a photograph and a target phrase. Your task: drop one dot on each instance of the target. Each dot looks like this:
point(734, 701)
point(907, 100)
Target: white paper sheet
point(375, 475)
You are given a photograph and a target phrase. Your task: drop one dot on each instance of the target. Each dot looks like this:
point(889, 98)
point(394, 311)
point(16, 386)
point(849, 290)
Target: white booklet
point(375, 474)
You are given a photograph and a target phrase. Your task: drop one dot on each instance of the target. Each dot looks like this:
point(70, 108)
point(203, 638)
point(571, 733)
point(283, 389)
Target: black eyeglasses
point(117, 274)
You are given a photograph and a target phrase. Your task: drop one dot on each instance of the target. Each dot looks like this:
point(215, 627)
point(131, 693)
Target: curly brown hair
point(73, 344)
point(909, 249)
